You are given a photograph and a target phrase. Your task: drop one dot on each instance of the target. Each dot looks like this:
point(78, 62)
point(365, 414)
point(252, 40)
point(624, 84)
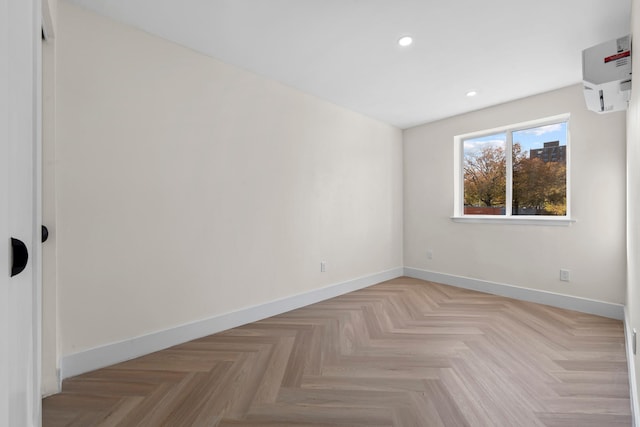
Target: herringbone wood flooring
point(402, 353)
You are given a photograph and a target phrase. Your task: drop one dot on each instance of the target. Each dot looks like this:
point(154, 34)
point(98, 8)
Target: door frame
point(39, 26)
point(50, 369)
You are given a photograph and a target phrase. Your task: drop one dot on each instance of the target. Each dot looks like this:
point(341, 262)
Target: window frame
point(508, 217)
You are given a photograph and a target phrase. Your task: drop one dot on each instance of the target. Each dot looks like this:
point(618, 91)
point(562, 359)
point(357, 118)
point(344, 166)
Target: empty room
point(302, 213)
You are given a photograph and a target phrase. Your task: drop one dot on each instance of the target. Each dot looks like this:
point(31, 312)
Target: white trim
point(37, 214)
point(508, 203)
point(458, 173)
point(558, 118)
point(584, 305)
point(559, 221)
point(109, 354)
point(631, 369)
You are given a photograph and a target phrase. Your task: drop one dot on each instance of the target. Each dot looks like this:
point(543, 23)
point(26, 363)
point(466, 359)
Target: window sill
point(520, 220)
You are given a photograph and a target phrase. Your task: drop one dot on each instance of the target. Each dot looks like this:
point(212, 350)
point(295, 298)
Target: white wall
point(633, 194)
point(529, 256)
point(187, 188)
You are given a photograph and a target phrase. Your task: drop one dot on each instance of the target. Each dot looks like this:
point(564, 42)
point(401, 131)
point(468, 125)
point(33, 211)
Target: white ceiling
point(345, 51)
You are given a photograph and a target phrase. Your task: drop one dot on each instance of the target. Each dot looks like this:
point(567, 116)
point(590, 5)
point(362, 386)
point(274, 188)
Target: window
point(531, 183)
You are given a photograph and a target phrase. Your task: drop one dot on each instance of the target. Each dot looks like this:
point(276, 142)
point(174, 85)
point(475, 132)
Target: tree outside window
point(533, 181)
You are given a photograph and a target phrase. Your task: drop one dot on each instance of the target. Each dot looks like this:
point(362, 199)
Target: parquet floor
point(401, 353)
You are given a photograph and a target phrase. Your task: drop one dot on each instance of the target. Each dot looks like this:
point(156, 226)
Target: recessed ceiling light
point(472, 93)
point(405, 41)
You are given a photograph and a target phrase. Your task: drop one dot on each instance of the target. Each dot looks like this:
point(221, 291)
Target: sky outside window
point(528, 139)
point(536, 137)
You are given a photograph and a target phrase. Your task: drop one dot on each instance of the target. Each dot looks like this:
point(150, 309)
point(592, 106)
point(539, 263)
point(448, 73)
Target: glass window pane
point(485, 179)
point(540, 171)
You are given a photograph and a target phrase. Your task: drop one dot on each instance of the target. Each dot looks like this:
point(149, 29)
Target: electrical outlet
point(323, 266)
point(429, 254)
point(564, 275)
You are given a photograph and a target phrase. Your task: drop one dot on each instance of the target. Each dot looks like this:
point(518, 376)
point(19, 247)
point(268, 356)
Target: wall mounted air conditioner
point(606, 74)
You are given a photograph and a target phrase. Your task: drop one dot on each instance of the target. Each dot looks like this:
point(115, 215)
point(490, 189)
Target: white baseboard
point(109, 354)
point(631, 368)
point(584, 305)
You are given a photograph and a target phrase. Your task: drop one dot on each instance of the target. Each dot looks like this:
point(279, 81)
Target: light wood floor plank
point(402, 353)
